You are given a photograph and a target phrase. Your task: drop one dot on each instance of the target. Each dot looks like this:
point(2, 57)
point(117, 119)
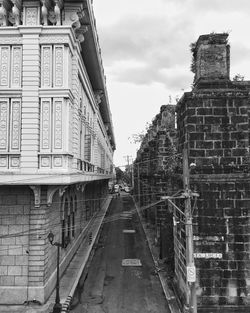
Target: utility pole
point(132, 173)
point(127, 157)
point(138, 183)
point(191, 271)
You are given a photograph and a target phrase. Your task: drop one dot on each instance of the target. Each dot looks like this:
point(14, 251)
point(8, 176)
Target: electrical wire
point(109, 219)
point(41, 176)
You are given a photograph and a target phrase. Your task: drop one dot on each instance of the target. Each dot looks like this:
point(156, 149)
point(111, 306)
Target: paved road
point(110, 287)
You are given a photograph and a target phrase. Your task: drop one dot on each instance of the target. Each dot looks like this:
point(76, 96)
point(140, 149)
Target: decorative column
point(30, 94)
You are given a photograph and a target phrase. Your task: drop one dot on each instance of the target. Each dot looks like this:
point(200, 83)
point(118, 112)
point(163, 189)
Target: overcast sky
point(146, 54)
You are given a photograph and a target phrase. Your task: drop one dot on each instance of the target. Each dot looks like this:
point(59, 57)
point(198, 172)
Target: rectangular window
point(87, 147)
point(10, 66)
point(51, 128)
point(54, 60)
point(10, 121)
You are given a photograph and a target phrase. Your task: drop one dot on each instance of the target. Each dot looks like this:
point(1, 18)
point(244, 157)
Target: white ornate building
point(56, 138)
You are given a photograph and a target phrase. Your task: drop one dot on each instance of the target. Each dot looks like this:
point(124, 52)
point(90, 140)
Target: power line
point(112, 218)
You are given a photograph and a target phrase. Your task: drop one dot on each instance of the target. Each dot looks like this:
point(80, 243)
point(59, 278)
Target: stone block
point(22, 260)
point(7, 281)
point(13, 295)
point(3, 270)
point(197, 136)
point(15, 229)
point(204, 144)
point(17, 209)
point(8, 199)
point(213, 136)
point(4, 230)
point(7, 260)
point(15, 250)
point(22, 240)
point(8, 220)
point(22, 220)
point(197, 153)
point(14, 270)
point(212, 120)
point(21, 281)
point(24, 270)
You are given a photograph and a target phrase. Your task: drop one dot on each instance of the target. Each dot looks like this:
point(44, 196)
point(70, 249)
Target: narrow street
point(109, 285)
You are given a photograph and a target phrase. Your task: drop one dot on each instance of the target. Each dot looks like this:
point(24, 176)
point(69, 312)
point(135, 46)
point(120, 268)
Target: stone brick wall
point(14, 234)
point(156, 162)
point(27, 259)
point(213, 124)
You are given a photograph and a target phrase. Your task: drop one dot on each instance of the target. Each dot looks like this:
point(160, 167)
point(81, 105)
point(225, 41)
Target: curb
point(171, 299)
point(67, 302)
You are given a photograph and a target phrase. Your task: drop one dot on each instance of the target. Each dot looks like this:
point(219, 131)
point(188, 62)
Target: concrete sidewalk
point(71, 276)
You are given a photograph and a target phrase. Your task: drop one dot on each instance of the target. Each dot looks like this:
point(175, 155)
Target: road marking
point(131, 262)
point(126, 215)
point(128, 231)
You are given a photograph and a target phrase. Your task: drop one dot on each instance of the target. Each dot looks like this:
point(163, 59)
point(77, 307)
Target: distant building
point(56, 138)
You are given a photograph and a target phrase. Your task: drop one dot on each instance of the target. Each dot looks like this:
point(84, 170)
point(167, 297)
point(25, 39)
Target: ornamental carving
point(31, 16)
point(58, 67)
point(98, 96)
point(46, 66)
point(15, 162)
point(53, 39)
point(45, 131)
point(15, 125)
point(52, 12)
point(4, 12)
point(44, 11)
point(79, 32)
point(50, 193)
point(11, 40)
point(3, 162)
point(4, 67)
point(78, 25)
point(57, 162)
point(16, 66)
point(15, 14)
point(45, 161)
point(58, 125)
point(4, 116)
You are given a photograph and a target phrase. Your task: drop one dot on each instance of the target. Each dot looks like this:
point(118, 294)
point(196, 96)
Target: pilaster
point(30, 98)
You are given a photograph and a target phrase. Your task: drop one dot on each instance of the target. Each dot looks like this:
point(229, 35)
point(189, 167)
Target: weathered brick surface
point(155, 161)
point(213, 124)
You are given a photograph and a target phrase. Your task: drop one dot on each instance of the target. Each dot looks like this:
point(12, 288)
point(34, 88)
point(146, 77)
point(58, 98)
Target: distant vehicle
point(127, 189)
point(116, 188)
point(122, 187)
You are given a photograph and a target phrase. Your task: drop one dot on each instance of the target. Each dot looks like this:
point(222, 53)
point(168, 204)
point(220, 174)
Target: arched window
point(64, 219)
point(72, 216)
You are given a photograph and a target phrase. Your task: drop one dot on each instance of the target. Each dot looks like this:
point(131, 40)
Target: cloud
point(240, 53)
point(154, 42)
point(143, 47)
point(221, 6)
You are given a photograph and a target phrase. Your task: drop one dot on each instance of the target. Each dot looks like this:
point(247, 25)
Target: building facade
point(56, 139)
